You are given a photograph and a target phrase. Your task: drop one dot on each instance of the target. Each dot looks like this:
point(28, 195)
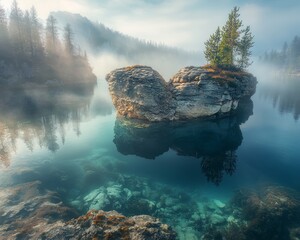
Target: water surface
point(73, 143)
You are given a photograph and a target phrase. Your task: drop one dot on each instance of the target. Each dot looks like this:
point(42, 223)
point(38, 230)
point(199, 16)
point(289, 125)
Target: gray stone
point(140, 92)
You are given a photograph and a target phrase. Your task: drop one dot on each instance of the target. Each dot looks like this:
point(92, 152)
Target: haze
point(183, 24)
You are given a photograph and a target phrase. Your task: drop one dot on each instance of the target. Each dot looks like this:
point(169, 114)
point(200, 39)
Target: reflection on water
point(212, 141)
point(105, 168)
point(41, 115)
point(284, 92)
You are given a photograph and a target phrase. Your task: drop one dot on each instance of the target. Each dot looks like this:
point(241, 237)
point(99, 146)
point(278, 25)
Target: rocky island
point(139, 92)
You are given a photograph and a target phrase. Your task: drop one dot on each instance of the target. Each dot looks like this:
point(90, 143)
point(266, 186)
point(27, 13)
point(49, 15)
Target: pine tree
point(212, 48)
point(36, 27)
point(28, 43)
point(227, 47)
point(16, 30)
point(230, 37)
point(68, 40)
point(52, 40)
point(4, 37)
point(244, 46)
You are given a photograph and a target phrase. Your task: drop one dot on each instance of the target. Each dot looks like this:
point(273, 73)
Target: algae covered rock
point(111, 225)
point(271, 212)
point(139, 92)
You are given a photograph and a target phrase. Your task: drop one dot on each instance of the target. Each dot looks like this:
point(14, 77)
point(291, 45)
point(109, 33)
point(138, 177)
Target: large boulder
point(140, 92)
point(202, 92)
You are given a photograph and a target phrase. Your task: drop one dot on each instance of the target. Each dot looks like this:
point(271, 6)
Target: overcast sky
point(182, 23)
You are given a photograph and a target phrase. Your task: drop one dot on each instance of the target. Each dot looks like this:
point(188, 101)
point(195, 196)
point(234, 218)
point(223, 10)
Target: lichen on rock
point(140, 92)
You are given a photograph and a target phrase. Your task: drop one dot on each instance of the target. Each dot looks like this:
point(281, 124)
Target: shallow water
point(73, 143)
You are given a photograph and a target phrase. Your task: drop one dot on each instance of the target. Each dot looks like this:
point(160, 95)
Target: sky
point(182, 23)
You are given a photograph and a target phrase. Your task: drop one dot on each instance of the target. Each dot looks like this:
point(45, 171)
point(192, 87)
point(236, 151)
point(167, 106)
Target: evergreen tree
point(16, 30)
point(284, 53)
point(230, 37)
point(28, 43)
point(294, 56)
point(212, 48)
point(227, 47)
point(4, 37)
point(52, 40)
point(36, 28)
point(68, 40)
point(244, 46)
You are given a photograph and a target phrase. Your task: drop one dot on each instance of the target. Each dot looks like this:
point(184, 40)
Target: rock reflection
point(41, 116)
point(213, 141)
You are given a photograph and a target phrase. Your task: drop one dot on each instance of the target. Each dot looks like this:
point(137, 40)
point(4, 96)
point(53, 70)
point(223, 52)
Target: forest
point(31, 53)
point(288, 58)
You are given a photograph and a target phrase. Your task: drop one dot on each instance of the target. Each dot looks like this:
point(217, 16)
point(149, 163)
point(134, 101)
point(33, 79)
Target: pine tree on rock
point(226, 47)
point(230, 37)
point(212, 48)
point(244, 46)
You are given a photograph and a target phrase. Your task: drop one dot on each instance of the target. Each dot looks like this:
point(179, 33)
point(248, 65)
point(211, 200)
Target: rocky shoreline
point(139, 92)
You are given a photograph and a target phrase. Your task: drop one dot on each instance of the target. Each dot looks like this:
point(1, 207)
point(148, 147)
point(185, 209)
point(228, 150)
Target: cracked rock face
point(140, 92)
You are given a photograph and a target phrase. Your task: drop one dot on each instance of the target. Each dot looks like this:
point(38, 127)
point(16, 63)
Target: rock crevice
point(140, 92)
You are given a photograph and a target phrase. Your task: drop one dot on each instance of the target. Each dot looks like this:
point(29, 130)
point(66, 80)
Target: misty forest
point(145, 119)
point(31, 52)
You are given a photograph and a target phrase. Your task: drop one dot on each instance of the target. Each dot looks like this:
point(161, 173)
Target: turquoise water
point(73, 142)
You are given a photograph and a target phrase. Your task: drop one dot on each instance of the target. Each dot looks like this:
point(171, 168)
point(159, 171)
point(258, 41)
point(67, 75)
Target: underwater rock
point(27, 210)
point(111, 225)
point(139, 92)
point(218, 203)
point(270, 213)
point(107, 197)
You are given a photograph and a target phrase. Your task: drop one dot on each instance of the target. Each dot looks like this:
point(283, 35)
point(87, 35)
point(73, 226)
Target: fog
point(183, 24)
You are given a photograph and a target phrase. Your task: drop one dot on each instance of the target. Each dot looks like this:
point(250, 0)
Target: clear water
point(75, 145)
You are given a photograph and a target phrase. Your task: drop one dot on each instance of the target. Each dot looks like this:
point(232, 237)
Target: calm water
point(75, 145)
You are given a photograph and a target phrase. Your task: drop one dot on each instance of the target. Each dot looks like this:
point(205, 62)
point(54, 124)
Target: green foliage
point(244, 46)
point(212, 48)
point(227, 47)
point(230, 37)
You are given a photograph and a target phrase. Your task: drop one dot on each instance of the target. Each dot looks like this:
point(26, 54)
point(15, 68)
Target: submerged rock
point(111, 225)
point(140, 92)
point(271, 213)
point(27, 210)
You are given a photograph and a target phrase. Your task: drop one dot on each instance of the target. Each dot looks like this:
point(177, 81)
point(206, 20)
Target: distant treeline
point(287, 58)
point(31, 52)
point(97, 37)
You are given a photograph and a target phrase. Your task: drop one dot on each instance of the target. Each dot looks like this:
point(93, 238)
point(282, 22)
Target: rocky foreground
point(140, 92)
point(28, 211)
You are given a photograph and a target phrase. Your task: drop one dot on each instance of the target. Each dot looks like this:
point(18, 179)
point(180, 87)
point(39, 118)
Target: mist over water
point(191, 175)
point(74, 144)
